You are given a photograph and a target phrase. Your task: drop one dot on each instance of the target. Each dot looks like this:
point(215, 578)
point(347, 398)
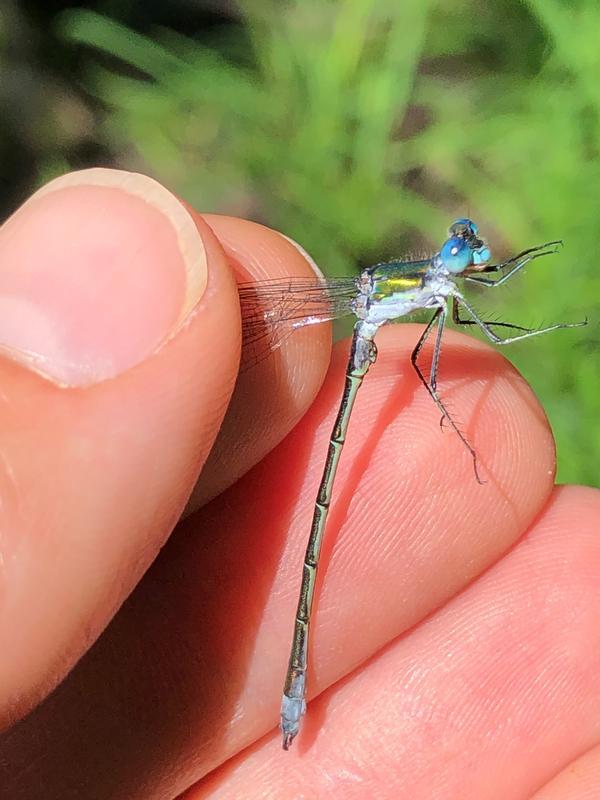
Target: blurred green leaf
point(359, 127)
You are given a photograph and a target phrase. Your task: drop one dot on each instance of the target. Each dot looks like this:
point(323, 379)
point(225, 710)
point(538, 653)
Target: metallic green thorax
point(397, 277)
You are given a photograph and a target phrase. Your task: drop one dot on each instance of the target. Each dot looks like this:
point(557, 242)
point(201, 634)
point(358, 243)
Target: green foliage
point(297, 131)
point(359, 127)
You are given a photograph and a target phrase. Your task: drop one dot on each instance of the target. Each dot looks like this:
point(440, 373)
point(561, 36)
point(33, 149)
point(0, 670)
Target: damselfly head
point(463, 227)
point(464, 251)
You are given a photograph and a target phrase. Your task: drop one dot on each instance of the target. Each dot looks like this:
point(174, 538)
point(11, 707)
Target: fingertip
point(272, 396)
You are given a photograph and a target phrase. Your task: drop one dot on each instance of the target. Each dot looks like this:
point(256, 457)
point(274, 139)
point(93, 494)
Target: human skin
point(456, 645)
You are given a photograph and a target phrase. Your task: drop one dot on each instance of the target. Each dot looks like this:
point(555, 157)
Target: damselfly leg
point(518, 262)
point(439, 317)
point(456, 318)
point(459, 300)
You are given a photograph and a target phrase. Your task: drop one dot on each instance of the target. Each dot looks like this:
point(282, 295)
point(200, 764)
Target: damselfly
point(379, 294)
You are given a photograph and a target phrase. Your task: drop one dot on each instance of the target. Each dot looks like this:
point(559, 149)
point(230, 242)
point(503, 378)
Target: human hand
point(456, 644)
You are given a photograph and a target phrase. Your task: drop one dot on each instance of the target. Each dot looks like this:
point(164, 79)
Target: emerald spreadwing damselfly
point(381, 293)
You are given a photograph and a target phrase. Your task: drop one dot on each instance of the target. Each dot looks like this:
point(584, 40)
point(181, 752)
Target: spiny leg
point(547, 247)
point(456, 318)
point(458, 321)
point(434, 366)
point(529, 332)
point(293, 703)
point(519, 261)
point(431, 385)
point(437, 347)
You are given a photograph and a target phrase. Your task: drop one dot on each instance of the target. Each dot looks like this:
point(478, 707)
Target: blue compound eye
point(456, 254)
point(481, 255)
point(463, 227)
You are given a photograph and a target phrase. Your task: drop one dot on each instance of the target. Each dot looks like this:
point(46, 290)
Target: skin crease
point(578, 781)
point(455, 642)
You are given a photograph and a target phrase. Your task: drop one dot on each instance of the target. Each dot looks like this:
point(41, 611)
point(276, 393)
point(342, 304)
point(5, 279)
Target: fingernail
point(307, 257)
point(97, 270)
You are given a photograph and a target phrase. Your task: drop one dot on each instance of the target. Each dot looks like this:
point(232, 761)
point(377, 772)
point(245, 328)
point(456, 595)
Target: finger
point(484, 701)
point(270, 398)
point(107, 288)
point(580, 780)
point(211, 621)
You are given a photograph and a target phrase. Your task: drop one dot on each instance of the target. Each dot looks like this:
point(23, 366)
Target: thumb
point(113, 299)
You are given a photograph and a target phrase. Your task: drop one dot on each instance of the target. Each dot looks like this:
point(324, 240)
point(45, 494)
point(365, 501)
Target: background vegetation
point(358, 127)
